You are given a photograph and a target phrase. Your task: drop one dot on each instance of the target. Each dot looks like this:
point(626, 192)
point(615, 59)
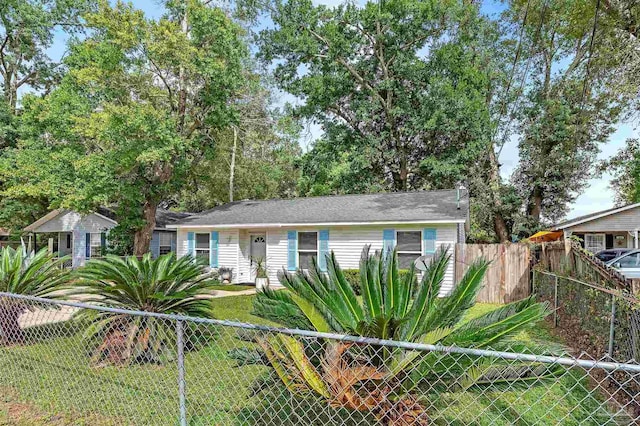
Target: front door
point(258, 252)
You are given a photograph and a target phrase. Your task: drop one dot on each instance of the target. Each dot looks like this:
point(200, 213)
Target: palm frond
point(451, 309)
point(500, 324)
point(422, 316)
point(278, 307)
point(370, 285)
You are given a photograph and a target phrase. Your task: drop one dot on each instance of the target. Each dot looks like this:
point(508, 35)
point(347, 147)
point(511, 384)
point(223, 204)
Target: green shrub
point(353, 276)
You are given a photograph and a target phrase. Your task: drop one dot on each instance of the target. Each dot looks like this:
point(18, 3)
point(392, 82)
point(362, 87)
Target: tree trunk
point(142, 237)
point(534, 208)
point(182, 84)
point(233, 162)
point(495, 183)
point(10, 330)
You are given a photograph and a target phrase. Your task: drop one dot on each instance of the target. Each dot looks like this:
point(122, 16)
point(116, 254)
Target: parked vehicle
point(610, 254)
point(628, 264)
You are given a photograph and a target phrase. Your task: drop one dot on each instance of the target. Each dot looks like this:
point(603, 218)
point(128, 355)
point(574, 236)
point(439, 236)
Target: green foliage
point(137, 104)
point(162, 285)
point(625, 168)
point(390, 309)
point(31, 274)
point(410, 115)
point(353, 276)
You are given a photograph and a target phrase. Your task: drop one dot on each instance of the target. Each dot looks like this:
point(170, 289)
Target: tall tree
point(560, 109)
point(257, 157)
point(392, 81)
point(625, 168)
point(140, 98)
point(27, 31)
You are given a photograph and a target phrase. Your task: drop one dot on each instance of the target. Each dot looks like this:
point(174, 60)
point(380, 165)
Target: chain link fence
point(99, 365)
point(598, 320)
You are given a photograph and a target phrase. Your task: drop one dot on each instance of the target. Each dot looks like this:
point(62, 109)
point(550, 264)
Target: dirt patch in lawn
point(16, 413)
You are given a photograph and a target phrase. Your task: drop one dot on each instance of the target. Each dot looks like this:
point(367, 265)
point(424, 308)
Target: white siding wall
point(347, 243)
point(628, 220)
point(228, 251)
point(69, 221)
point(227, 246)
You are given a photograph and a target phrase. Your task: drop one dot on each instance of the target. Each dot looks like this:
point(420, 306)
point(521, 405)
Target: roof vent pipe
point(459, 190)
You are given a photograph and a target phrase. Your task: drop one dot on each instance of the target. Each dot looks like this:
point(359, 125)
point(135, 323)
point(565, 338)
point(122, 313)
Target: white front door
point(258, 251)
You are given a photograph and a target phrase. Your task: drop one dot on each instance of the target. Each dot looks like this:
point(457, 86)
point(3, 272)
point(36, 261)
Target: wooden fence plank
point(507, 278)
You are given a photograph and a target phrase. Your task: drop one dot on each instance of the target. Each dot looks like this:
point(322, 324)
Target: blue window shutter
point(388, 240)
point(154, 246)
point(174, 237)
point(87, 247)
point(324, 249)
point(429, 240)
point(103, 242)
point(292, 250)
point(213, 249)
point(191, 244)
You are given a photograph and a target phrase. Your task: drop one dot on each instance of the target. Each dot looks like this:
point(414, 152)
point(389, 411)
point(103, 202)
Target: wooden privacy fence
point(508, 275)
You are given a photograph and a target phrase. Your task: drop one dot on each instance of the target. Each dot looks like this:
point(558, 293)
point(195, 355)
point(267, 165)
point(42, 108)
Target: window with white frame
point(594, 242)
point(96, 245)
point(409, 244)
point(202, 246)
point(165, 242)
point(307, 248)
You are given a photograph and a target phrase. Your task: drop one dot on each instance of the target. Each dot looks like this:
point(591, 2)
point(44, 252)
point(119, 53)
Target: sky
point(597, 196)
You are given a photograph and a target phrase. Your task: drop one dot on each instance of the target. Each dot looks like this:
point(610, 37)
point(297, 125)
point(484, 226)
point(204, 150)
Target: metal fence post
point(181, 380)
point(612, 326)
point(555, 302)
point(533, 281)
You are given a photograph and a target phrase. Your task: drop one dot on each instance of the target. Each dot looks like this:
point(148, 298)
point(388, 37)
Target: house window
point(307, 248)
point(96, 245)
point(202, 246)
point(165, 242)
point(409, 247)
point(68, 241)
point(594, 242)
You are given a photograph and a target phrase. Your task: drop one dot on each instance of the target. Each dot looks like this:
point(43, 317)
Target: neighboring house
point(289, 232)
point(85, 236)
point(607, 229)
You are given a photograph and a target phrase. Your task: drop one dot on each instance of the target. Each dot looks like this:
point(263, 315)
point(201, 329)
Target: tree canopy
point(189, 110)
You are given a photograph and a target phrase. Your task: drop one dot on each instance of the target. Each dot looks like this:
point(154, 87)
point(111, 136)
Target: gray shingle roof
point(165, 217)
point(383, 207)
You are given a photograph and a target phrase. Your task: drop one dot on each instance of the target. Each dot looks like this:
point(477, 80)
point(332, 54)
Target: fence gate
point(507, 278)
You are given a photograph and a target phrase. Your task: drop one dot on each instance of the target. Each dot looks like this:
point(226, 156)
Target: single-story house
point(287, 233)
point(86, 235)
point(617, 227)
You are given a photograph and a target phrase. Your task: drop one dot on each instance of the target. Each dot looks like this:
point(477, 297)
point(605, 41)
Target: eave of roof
point(281, 225)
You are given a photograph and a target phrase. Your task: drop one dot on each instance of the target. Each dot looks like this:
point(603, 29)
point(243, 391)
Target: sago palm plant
point(162, 285)
point(30, 274)
point(384, 380)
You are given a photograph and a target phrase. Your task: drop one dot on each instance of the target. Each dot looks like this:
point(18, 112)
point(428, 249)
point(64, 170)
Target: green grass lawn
point(53, 379)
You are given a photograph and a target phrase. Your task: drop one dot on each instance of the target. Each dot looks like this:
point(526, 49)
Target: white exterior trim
point(292, 225)
point(105, 218)
point(44, 219)
point(598, 216)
